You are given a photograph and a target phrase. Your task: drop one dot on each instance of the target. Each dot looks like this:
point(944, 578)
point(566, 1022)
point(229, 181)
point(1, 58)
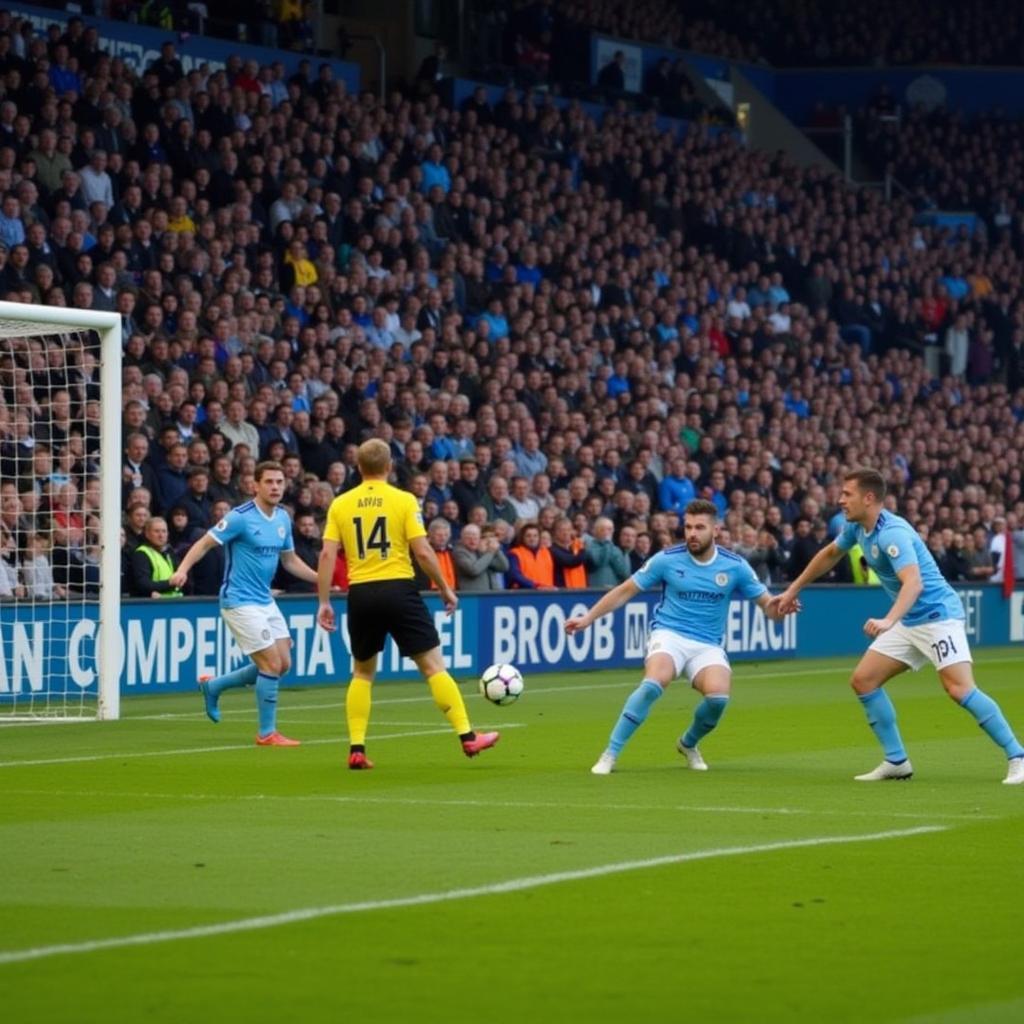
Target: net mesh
point(50, 510)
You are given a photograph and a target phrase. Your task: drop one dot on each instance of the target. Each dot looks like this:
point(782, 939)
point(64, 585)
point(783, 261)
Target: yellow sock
point(447, 697)
point(357, 709)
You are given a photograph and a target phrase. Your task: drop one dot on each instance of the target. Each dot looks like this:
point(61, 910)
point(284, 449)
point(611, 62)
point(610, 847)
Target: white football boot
point(888, 771)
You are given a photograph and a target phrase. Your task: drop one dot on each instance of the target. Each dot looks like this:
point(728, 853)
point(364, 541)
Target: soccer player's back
point(380, 527)
point(375, 523)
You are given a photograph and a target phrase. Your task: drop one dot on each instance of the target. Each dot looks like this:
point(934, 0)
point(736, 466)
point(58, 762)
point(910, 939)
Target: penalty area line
point(288, 917)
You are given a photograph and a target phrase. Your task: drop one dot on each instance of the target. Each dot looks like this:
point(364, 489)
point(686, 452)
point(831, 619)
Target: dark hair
point(266, 467)
point(869, 481)
point(701, 507)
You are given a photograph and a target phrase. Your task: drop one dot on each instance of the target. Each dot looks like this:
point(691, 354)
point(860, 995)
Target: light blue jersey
point(891, 546)
point(252, 544)
point(695, 595)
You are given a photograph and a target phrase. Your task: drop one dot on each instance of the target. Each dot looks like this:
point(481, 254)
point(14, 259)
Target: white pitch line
point(340, 740)
point(502, 804)
point(249, 924)
point(540, 691)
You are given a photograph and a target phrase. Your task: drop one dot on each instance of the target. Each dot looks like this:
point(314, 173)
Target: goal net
point(60, 504)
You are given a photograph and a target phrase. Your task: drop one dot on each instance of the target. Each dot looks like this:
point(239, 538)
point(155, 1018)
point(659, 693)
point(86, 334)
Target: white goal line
point(513, 885)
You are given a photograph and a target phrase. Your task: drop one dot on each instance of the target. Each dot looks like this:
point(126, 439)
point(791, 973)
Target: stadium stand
point(537, 312)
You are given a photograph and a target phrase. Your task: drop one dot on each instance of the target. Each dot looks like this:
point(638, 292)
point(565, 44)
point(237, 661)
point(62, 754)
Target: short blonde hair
point(374, 457)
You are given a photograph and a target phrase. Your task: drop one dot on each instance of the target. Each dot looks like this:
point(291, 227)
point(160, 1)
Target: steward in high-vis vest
point(153, 563)
point(531, 566)
point(862, 572)
point(439, 533)
point(568, 554)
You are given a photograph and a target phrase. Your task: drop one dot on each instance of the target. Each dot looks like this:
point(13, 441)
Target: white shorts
point(688, 656)
point(942, 643)
point(256, 627)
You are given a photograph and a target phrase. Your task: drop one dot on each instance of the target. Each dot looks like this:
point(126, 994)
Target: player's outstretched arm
point(424, 554)
point(194, 554)
point(770, 606)
point(615, 598)
point(820, 564)
point(324, 575)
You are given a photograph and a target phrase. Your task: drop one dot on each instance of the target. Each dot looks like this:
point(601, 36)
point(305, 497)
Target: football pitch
point(164, 869)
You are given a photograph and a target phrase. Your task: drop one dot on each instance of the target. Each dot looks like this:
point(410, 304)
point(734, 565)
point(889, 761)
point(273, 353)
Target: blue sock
point(244, 676)
point(705, 718)
point(989, 716)
point(266, 702)
point(635, 710)
point(882, 719)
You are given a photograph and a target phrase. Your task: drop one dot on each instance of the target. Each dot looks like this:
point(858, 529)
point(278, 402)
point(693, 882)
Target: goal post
point(61, 656)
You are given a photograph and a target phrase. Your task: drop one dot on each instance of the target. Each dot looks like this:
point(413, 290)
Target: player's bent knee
point(430, 662)
point(863, 682)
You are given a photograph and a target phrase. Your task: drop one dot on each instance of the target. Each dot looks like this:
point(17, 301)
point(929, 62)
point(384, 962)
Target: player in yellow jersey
point(379, 527)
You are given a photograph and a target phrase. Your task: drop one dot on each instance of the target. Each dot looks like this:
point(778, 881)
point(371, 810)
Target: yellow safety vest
point(862, 573)
point(163, 568)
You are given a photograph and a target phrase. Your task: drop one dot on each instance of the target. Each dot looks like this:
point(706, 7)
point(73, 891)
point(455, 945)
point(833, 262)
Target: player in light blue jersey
point(255, 536)
point(697, 579)
point(925, 623)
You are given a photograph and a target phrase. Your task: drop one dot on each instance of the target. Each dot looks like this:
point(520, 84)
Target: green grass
point(120, 839)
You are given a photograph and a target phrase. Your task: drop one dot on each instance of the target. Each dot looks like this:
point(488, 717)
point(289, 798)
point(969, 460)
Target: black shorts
point(389, 606)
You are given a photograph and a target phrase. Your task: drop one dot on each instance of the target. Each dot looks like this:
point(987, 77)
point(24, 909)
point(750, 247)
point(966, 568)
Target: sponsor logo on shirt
point(702, 596)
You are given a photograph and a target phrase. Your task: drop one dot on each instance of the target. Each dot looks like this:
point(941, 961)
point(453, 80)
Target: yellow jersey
point(374, 523)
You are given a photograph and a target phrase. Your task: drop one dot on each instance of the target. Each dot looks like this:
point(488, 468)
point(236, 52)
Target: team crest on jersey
point(721, 578)
point(280, 532)
point(874, 550)
point(892, 550)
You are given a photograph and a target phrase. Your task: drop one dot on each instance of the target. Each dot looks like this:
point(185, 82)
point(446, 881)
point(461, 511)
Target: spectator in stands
point(180, 535)
point(439, 535)
point(469, 490)
point(568, 556)
point(606, 565)
point(613, 75)
point(480, 564)
point(496, 501)
point(196, 500)
point(172, 476)
point(153, 563)
point(137, 470)
point(531, 566)
point(37, 572)
point(526, 506)
point(676, 490)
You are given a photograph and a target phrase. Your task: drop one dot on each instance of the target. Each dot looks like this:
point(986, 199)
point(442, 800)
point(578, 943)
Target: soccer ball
point(502, 684)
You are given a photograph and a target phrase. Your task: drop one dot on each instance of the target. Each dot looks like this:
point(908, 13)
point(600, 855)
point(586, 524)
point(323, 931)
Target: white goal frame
point(20, 320)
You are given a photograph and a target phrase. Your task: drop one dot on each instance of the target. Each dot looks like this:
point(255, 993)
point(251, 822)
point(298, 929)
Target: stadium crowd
point(564, 331)
point(808, 33)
